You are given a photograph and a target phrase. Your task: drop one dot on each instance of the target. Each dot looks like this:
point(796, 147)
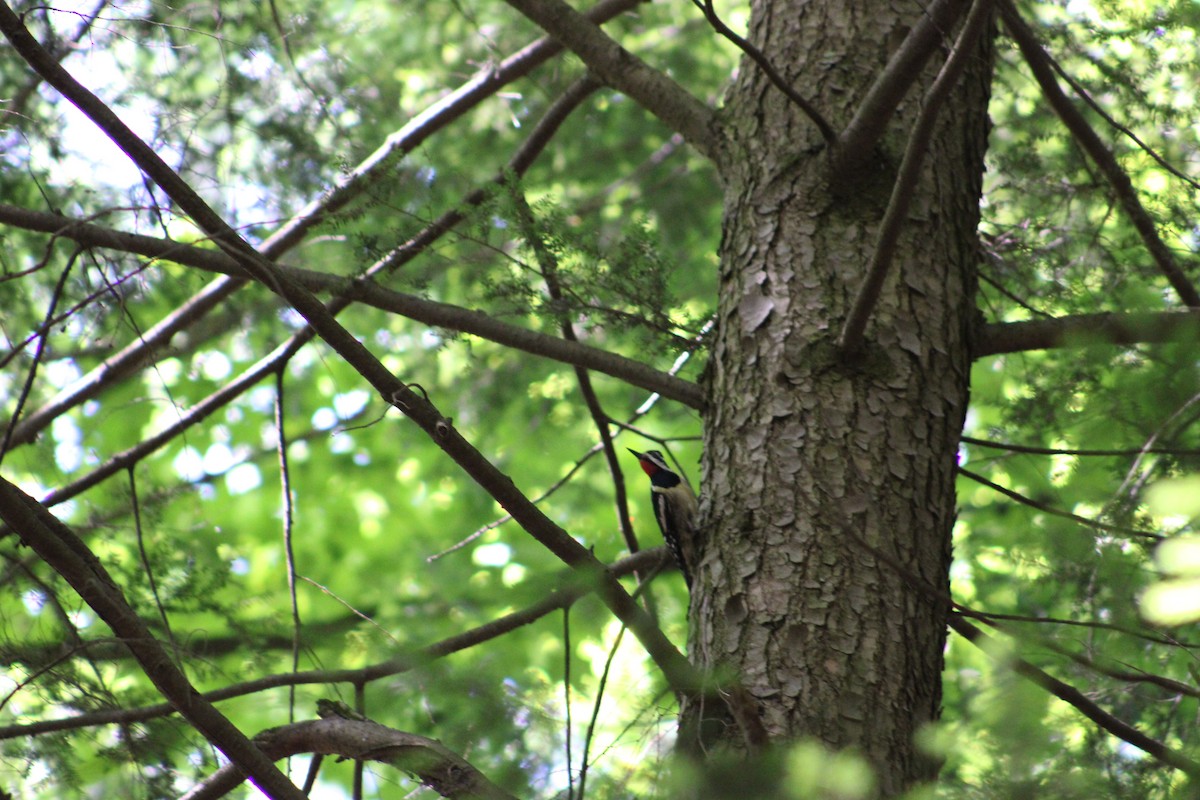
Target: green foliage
point(261, 131)
point(396, 549)
point(1059, 244)
point(806, 770)
point(610, 282)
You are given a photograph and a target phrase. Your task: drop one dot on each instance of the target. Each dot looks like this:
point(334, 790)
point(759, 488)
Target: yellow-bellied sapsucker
point(675, 508)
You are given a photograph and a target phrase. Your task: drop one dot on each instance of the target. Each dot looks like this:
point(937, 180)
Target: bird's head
point(652, 461)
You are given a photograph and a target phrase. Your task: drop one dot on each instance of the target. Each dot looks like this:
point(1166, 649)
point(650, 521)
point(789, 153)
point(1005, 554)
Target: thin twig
point(637, 414)
point(27, 387)
point(1067, 451)
point(146, 565)
point(566, 632)
point(1130, 478)
point(600, 687)
point(1058, 512)
point(777, 80)
point(289, 550)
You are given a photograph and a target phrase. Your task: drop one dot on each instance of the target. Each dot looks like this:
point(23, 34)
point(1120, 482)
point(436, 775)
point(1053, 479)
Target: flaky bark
point(819, 471)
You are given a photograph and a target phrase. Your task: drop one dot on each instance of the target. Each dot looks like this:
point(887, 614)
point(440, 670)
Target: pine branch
point(562, 596)
point(1072, 696)
point(1043, 72)
point(1071, 451)
point(1170, 685)
point(482, 85)
point(957, 620)
point(363, 290)
point(485, 83)
point(992, 617)
point(679, 673)
point(1125, 130)
point(1058, 512)
point(416, 407)
point(58, 546)
point(133, 357)
point(549, 267)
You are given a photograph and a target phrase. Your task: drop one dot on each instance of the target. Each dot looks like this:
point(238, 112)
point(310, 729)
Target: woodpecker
point(675, 508)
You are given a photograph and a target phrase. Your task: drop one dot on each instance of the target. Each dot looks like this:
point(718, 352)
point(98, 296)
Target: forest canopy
point(317, 384)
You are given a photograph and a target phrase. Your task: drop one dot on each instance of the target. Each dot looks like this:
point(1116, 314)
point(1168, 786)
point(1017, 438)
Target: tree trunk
point(828, 485)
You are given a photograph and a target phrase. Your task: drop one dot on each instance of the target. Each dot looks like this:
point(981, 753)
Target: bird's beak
point(636, 453)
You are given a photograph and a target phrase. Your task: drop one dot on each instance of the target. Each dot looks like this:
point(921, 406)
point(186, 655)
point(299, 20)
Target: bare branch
point(129, 359)
point(906, 179)
point(23, 395)
point(436, 766)
point(16, 102)
point(1040, 65)
point(992, 617)
point(194, 415)
point(289, 524)
point(1087, 330)
point(622, 70)
point(857, 142)
point(1108, 671)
